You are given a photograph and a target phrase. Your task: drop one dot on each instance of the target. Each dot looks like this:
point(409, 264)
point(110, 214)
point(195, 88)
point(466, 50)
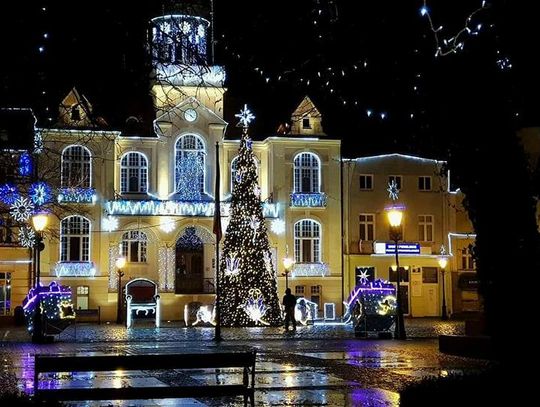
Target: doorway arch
point(189, 268)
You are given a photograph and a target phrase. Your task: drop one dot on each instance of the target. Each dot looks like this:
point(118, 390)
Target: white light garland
point(114, 253)
point(166, 264)
point(75, 269)
point(310, 270)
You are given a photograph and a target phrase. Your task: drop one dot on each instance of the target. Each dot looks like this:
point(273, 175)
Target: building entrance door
point(189, 272)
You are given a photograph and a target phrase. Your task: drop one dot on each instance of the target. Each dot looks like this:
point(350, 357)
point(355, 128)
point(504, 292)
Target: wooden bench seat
point(61, 363)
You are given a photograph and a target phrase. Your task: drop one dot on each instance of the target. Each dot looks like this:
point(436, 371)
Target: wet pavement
point(319, 365)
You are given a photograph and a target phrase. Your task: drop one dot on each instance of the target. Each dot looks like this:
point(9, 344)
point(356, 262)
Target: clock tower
point(181, 69)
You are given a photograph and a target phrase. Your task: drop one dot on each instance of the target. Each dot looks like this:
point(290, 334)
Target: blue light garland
point(316, 200)
point(77, 195)
point(25, 164)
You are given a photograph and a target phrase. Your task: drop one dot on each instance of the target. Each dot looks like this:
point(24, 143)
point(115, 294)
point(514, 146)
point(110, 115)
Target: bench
point(85, 313)
point(142, 295)
point(94, 363)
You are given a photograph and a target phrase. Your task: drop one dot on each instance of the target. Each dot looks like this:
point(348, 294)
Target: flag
point(217, 209)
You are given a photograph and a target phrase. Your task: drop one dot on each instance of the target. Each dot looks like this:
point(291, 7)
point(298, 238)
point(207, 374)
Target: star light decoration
point(393, 190)
point(364, 276)
point(22, 209)
point(245, 116)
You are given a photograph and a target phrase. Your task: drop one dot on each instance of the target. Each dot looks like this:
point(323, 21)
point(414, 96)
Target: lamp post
point(120, 264)
point(395, 216)
point(287, 264)
point(443, 261)
point(39, 222)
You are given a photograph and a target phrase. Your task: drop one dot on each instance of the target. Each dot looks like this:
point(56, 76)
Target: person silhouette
point(289, 303)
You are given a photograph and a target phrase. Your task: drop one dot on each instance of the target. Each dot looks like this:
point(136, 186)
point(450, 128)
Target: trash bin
point(18, 314)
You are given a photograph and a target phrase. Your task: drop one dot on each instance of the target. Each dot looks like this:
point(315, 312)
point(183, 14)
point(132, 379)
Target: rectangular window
point(367, 226)
point(305, 123)
point(82, 296)
point(366, 182)
point(467, 260)
point(424, 183)
point(403, 274)
point(315, 290)
point(299, 290)
point(429, 275)
point(425, 228)
point(397, 179)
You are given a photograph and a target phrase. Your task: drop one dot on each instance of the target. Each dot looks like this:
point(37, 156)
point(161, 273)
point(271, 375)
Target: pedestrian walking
point(289, 302)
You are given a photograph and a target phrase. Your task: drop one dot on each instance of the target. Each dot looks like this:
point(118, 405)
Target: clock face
point(190, 115)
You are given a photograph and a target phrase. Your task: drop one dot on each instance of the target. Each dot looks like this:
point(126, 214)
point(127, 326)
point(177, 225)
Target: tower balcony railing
point(77, 195)
point(74, 269)
point(308, 200)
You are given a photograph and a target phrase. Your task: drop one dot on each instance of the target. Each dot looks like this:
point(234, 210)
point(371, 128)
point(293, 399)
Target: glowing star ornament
point(393, 190)
point(22, 209)
point(27, 236)
point(245, 116)
point(232, 265)
point(363, 276)
point(167, 224)
point(254, 307)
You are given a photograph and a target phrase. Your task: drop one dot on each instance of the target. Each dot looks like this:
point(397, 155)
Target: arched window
point(307, 173)
point(189, 167)
point(134, 245)
point(133, 173)
point(75, 239)
point(76, 167)
point(307, 241)
point(234, 169)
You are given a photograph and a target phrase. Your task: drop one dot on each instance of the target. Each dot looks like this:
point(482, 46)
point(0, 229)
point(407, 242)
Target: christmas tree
point(249, 282)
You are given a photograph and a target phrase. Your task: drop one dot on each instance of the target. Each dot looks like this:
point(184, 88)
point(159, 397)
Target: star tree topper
point(245, 116)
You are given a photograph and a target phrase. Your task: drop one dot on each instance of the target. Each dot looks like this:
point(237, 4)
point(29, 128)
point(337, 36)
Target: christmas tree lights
point(248, 279)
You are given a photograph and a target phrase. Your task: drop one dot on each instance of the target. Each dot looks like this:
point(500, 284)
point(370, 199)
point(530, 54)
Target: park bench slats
point(99, 363)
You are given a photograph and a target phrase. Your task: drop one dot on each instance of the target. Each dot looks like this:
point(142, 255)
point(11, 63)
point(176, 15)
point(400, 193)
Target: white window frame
point(364, 226)
point(467, 259)
point(138, 239)
point(396, 177)
point(307, 230)
point(180, 149)
point(425, 223)
point(309, 164)
point(129, 168)
point(83, 232)
point(366, 177)
point(71, 159)
point(422, 183)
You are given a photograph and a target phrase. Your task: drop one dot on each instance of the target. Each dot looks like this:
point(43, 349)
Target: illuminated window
point(424, 183)
point(76, 167)
point(189, 166)
point(425, 228)
point(307, 171)
point(75, 239)
point(467, 260)
point(134, 245)
point(134, 173)
point(307, 241)
point(367, 226)
point(366, 182)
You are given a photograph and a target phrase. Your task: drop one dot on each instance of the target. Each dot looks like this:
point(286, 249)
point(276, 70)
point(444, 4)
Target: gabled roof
point(305, 108)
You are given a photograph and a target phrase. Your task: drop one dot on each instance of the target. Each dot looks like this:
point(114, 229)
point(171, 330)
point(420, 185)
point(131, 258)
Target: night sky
point(370, 67)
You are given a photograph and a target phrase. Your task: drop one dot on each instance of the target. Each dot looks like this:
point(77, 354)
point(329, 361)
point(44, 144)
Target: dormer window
point(75, 113)
point(306, 123)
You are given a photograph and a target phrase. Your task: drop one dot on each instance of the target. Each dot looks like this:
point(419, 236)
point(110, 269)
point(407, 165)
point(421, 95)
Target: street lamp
point(287, 264)
point(39, 222)
point(395, 216)
point(120, 264)
point(443, 261)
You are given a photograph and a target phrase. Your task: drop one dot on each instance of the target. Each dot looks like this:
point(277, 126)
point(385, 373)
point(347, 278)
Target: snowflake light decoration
point(8, 194)
point(40, 193)
point(254, 307)
point(278, 226)
point(245, 116)
point(393, 190)
point(167, 225)
point(232, 265)
point(27, 236)
point(22, 209)
point(110, 223)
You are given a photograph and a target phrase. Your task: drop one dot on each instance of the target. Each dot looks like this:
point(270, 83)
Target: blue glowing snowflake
point(40, 193)
point(8, 194)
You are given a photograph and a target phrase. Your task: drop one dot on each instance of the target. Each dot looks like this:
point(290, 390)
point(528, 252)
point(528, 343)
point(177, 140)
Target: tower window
point(305, 123)
point(75, 113)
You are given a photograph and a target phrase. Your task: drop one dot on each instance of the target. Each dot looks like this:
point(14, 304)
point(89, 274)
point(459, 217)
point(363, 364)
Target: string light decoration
point(456, 42)
point(77, 195)
point(249, 297)
point(25, 165)
point(315, 200)
point(166, 265)
point(8, 194)
point(55, 301)
point(189, 173)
